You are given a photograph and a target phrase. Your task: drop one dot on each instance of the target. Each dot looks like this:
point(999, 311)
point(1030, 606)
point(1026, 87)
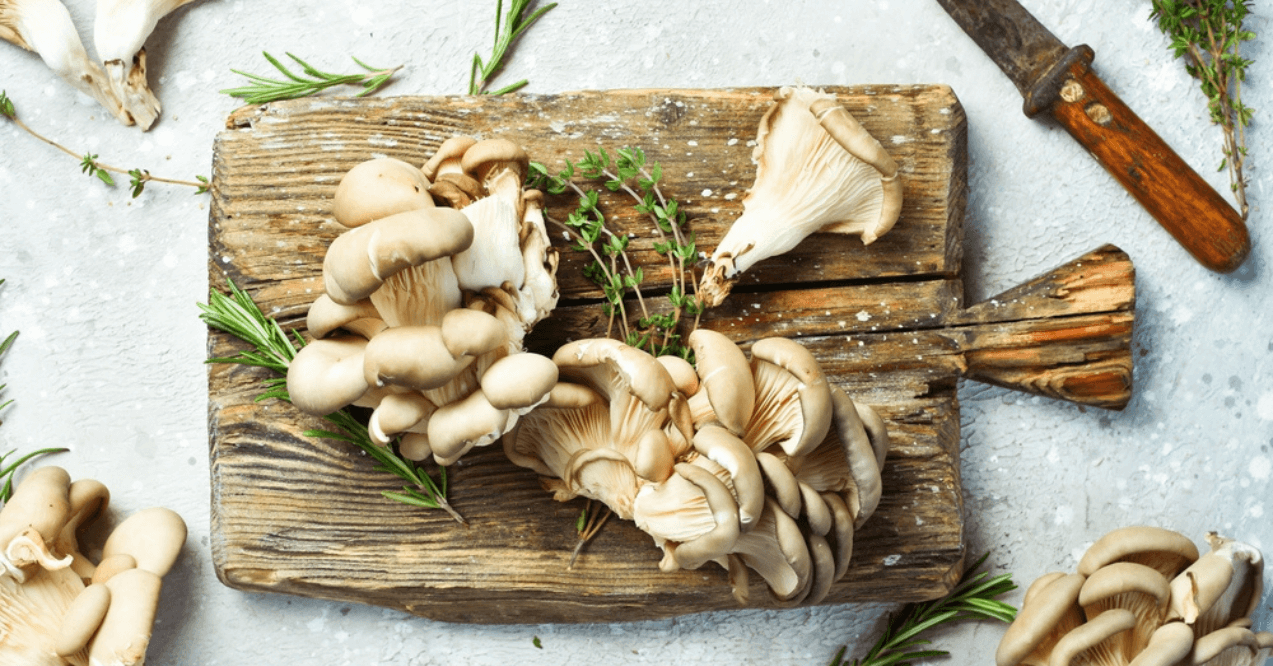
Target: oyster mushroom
point(48, 612)
point(45, 27)
point(119, 35)
point(436, 297)
point(1133, 616)
point(817, 169)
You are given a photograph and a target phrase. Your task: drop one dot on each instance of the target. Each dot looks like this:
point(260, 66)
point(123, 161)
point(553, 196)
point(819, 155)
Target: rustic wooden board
point(301, 516)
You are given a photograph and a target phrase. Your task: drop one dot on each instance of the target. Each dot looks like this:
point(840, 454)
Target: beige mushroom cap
point(642, 375)
point(81, 619)
point(458, 427)
point(519, 381)
point(397, 413)
point(379, 188)
point(125, 631)
point(1230, 646)
point(153, 537)
point(360, 260)
point(1168, 645)
point(805, 377)
point(41, 503)
point(1088, 637)
point(326, 315)
point(725, 376)
point(719, 541)
point(327, 375)
point(414, 357)
point(1164, 550)
point(1053, 612)
point(447, 158)
point(487, 156)
point(728, 451)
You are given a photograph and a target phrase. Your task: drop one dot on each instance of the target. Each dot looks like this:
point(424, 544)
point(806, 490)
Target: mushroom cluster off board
point(297, 515)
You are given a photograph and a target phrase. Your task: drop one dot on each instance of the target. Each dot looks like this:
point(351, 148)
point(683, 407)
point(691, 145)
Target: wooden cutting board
point(302, 516)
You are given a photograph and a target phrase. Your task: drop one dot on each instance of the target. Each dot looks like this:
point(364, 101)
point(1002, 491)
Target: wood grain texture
point(1174, 194)
point(303, 516)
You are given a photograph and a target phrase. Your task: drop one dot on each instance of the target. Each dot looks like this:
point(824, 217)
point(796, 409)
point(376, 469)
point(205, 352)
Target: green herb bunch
point(239, 316)
point(974, 598)
point(92, 167)
point(1209, 34)
point(8, 470)
point(611, 268)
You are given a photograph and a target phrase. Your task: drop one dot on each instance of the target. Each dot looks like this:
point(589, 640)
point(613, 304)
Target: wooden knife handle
point(1190, 209)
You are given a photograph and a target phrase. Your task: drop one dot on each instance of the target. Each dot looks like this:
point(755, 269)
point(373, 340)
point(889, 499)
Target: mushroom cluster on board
point(118, 79)
point(57, 606)
point(817, 170)
point(427, 298)
point(1143, 596)
point(757, 464)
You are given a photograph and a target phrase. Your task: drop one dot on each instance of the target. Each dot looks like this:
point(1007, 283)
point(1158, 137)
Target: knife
point(1059, 81)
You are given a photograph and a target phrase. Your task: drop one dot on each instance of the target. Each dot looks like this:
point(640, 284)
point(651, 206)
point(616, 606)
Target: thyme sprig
point(90, 165)
point(517, 22)
point(611, 268)
point(1208, 34)
point(238, 315)
point(7, 471)
point(263, 89)
point(974, 598)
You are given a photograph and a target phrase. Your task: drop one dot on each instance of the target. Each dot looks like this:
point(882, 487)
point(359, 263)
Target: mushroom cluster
point(760, 464)
point(1143, 596)
point(817, 169)
point(57, 606)
point(118, 81)
point(428, 297)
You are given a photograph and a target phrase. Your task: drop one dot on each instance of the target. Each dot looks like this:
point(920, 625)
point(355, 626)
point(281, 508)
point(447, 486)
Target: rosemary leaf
point(263, 89)
point(272, 348)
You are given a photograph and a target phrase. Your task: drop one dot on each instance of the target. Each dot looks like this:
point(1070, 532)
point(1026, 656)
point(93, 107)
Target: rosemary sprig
point(89, 164)
point(238, 315)
point(972, 599)
point(263, 89)
point(1208, 34)
point(7, 471)
point(611, 268)
point(517, 22)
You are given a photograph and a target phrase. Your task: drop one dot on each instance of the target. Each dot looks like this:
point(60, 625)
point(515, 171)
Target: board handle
point(1173, 193)
point(1065, 334)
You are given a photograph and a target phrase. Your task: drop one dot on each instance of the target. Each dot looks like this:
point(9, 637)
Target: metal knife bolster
point(1046, 90)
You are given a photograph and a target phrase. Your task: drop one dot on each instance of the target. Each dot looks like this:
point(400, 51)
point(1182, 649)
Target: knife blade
point(1059, 81)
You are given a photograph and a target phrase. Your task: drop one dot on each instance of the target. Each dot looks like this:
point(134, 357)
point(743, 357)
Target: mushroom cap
point(460, 426)
point(1164, 550)
point(327, 375)
point(125, 632)
point(728, 451)
point(360, 260)
point(469, 332)
point(1221, 586)
point(81, 619)
point(640, 374)
point(1090, 635)
point(720, 539)
point(1167, 646)
point(519, 381)
point(683, 375)
point(397, 413)
point(1052, 611)
point(1230, 646)
point(379, 188)
point(414, 357)
point(153, 537)
point(780, 367)
point(725, 375)
point(1122, 578)
point(326, 315)
point(41, 503)
point(489, 155)
point(451, 150)
point(776, 550)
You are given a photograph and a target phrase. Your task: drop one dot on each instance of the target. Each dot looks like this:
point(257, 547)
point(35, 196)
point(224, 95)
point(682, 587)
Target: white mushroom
point(45, 26)
point(817, 169)
point(119, 36)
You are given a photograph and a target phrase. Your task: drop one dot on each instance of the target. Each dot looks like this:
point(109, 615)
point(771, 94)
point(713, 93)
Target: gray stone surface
point(103, 288)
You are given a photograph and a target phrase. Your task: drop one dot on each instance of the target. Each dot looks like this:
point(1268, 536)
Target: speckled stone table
point(109, 361)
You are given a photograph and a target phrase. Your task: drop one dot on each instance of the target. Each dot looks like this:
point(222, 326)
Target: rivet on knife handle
point(1182, 202)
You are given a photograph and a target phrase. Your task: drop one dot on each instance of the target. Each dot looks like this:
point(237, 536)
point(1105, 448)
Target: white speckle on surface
point(1064, 515)
point(1264, 408)
point(1260, 468)
point(731, 196)
point(706, 193)
point(892, 560)
point(863, 315)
